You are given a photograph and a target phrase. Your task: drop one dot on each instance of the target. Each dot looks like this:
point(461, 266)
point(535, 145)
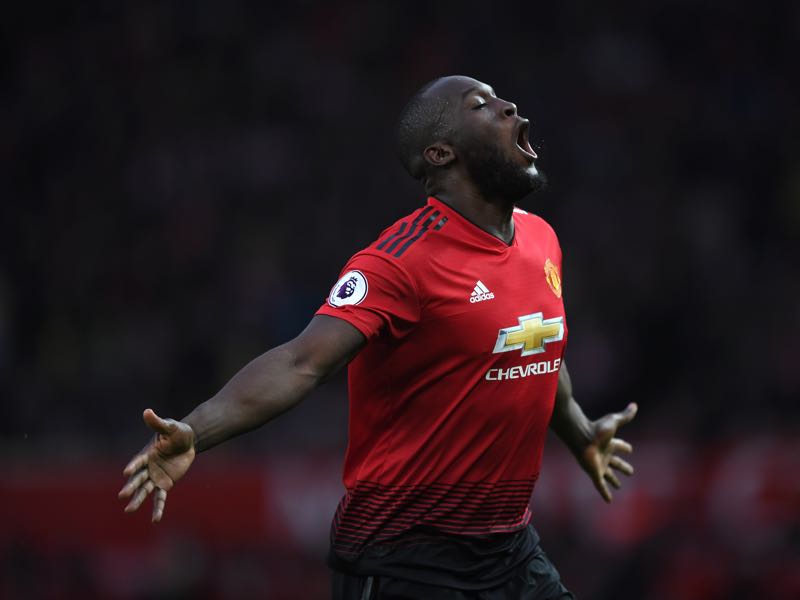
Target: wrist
point(573, 427)
point(580, 437)
point(191, 429)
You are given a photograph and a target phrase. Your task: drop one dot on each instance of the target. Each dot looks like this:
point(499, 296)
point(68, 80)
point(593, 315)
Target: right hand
point(600, 455)
point(159, 465)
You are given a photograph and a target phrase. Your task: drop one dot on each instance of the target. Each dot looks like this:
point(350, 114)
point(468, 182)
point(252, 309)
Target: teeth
point(522, 137)
point(523, 143)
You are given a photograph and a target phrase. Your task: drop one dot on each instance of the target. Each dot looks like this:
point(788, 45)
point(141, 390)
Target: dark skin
point(268, 386)
point(279, 379)
point(482, 116)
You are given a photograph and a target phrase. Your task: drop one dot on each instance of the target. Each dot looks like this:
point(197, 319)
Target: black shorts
point(535, 580)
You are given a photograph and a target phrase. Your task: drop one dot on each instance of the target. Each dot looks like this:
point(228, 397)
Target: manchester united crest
point(552, 277)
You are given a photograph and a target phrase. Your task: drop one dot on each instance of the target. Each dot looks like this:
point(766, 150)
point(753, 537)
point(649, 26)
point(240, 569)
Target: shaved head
point(456, 128)
point(426, 119)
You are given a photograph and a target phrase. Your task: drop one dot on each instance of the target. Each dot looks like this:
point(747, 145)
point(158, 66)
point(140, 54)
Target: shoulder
point(535, 223)
point(395, 256)
point(402, 242)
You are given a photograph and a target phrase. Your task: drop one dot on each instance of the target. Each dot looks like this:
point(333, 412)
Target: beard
point(498, 176)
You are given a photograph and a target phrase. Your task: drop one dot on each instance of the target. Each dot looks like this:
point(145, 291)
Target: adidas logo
point(480, 293)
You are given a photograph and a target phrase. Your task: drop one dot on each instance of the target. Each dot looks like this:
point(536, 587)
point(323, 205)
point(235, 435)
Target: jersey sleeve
point(375, 295)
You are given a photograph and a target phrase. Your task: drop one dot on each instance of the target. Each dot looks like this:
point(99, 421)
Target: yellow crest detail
point(531, 336)
point(552, 277)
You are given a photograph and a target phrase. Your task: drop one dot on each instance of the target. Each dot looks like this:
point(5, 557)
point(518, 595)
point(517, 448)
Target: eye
point(480, 106)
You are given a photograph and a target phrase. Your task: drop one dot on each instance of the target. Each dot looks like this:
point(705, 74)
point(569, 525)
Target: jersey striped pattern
point(372, 513)
point(407, 233)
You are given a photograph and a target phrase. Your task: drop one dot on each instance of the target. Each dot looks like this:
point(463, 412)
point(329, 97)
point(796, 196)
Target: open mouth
point(522, 140)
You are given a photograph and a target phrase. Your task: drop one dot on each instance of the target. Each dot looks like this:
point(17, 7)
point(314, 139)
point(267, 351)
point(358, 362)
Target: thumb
point(626, 416)
point(157, 424)
point(607, 426)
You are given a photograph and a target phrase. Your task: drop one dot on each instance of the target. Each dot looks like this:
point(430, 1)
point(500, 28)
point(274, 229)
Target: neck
point(494, 215)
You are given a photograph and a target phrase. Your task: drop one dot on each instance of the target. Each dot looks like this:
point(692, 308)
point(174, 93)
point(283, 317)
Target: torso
point(449, 411)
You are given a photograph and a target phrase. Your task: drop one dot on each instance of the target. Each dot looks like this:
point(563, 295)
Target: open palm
point(159, 465)
point(599, 458)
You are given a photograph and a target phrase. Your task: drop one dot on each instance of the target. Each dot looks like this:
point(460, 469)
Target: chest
point(496, 303)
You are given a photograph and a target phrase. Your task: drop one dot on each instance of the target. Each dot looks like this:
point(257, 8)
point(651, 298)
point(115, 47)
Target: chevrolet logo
point(531, 335)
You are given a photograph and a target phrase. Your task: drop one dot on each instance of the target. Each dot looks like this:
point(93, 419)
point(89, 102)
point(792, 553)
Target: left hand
point(599, 457)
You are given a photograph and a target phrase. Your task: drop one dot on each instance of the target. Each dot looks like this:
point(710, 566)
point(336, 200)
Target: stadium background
point(183, 182)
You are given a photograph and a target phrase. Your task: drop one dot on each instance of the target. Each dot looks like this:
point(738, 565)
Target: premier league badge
point(350, 289)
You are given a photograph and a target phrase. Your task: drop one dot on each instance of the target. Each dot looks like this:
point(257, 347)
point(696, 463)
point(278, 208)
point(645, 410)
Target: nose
point(510, 109)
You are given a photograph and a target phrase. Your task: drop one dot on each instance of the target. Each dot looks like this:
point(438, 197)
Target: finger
point(134, 482)
point(156, 423)
point(159, 501)
point(137, 462)
point(618, 445)
point(140, 495)
point(621, 465)
point(610, 477)
point(626, 416)
point(601, 487)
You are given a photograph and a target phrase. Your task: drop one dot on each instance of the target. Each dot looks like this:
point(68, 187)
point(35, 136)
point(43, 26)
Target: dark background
point(182, 183)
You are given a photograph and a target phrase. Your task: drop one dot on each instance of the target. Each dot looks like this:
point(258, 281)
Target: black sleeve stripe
point(407, 235)
point(424, 212)
point(424, 228)
point(389, 238)
point(414, 225)
point(402, 228)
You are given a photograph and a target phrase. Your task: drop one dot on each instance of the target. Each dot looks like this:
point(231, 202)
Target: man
point(453, 325)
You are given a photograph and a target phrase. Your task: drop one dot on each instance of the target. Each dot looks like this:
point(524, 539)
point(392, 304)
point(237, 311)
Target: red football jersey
point(452, 395)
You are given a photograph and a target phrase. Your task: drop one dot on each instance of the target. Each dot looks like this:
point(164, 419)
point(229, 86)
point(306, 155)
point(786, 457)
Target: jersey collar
point(474, 231)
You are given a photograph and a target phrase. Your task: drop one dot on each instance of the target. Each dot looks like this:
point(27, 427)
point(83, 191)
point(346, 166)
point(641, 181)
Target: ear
point(439, 154)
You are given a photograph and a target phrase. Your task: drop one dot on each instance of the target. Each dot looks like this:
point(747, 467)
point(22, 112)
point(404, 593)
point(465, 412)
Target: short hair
point(423, 121)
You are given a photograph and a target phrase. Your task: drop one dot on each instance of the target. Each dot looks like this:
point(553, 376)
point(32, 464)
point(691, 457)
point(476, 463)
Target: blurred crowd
point(182, 184)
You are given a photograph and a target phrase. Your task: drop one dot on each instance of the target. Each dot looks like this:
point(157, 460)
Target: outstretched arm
point(268, 386)
point(275, 381)
point(592, 442)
